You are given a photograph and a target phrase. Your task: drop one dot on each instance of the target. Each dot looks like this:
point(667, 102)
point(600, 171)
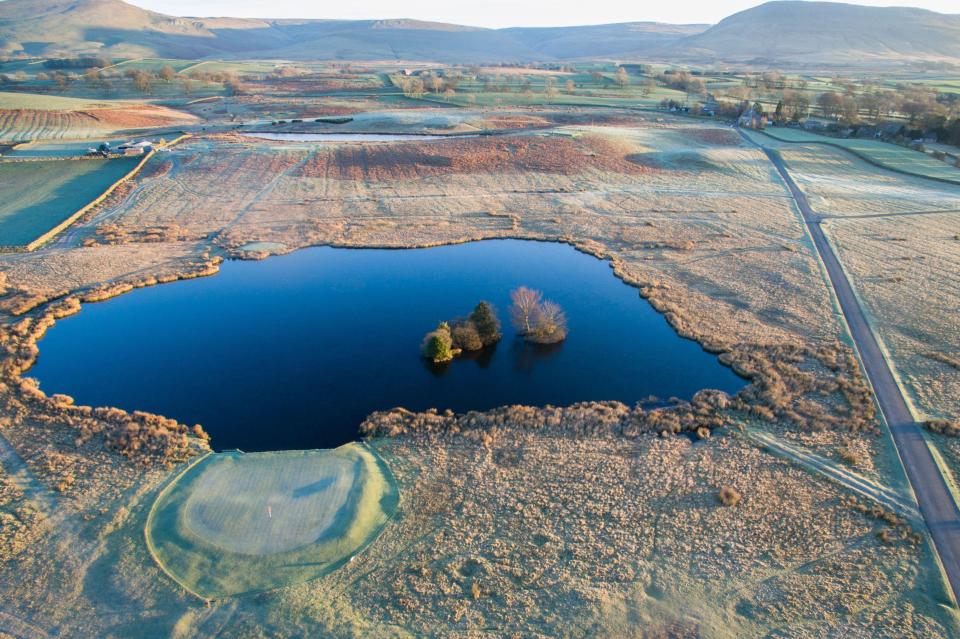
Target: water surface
point(294, 351)
point(351, 137)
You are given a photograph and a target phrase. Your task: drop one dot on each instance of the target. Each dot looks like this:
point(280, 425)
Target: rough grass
point(466, 156)
point(36, 196)
point(904, 269)
point(236, 523)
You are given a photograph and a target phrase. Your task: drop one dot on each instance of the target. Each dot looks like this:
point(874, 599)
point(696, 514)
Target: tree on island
point(438, 344)
point(526, 306)
point(539, 321)
point(484, 318)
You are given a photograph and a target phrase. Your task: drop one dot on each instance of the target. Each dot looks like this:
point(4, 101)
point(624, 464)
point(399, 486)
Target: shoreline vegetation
point(473, 333)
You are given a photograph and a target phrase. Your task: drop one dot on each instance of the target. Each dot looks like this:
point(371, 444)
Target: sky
point(491, 13)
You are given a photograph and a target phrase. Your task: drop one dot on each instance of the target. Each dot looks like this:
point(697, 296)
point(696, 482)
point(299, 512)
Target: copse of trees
point(479, 330)
point(535, 319)
point(683, 81)
point(77, 63)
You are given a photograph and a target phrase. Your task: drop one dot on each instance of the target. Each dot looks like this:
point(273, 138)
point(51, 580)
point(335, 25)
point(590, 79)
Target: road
point(936, 503)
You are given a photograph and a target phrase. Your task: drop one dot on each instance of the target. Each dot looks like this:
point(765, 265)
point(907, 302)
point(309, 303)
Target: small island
point(535, 320)
point(449, 339)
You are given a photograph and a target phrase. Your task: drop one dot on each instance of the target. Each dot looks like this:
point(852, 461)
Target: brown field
point(27, 124)
point(713, 136)
point(500, 156)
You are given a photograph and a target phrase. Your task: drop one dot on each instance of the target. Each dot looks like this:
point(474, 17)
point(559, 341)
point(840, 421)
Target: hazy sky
point(490, 13)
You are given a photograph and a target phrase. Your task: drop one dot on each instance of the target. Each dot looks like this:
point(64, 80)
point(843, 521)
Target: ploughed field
point(294, 352)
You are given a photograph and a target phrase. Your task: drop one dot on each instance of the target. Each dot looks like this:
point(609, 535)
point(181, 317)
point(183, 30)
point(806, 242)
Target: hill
point(794, 31)
point(777, 33)
point(621, 39)
point(115, 28)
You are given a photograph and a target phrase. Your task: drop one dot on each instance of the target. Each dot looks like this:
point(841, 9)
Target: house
point(753, 120)
point(891, 129)
point(135, 148)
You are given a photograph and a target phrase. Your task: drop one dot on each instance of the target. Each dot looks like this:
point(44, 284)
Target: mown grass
point(882, 154)
point(238, 523)
point(36, 196)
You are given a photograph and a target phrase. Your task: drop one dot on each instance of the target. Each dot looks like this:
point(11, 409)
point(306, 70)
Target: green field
point(36, 196)
point(72, 149)
point(237, 523)
point(152, 64)
point(239, 67)
point(883, 154)
point(43, 102)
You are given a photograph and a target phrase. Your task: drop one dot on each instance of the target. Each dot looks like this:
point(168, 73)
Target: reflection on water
point(351, 137)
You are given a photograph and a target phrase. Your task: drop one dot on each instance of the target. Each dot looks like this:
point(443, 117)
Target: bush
point(466, 336)
point(943, 426)
point(438, 344)
point(728, 496)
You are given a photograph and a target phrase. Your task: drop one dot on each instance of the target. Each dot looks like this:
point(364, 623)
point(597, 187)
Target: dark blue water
point(294, 351)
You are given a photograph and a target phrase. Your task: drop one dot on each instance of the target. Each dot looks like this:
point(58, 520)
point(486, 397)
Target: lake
point(352, 137)
point(294, 351)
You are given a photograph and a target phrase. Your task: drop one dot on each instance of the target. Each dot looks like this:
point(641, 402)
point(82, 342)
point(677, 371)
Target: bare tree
point(551, 324)
point(525, 310)
point(550, 86)
point(622, 78)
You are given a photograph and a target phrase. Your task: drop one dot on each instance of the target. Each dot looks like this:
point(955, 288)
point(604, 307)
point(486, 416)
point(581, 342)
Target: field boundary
point(865, 158)
point(150, 515)
point(66, 223)
point(863, 486)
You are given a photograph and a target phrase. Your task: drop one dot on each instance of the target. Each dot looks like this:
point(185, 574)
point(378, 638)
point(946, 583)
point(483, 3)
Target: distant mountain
point(113, 27)
point(794, 31)
point(603, 40)
point(788, 32)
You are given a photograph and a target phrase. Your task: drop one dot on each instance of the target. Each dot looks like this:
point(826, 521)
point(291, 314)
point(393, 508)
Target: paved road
point(937, 505)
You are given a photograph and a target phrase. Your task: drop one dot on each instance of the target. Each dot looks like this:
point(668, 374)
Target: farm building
point(135, 148)
point(753, 120)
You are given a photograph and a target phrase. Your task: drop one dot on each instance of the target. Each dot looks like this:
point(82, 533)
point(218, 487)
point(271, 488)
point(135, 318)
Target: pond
point(351, 137)
point(294, 351)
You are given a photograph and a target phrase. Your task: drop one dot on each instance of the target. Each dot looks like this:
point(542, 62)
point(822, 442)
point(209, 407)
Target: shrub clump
point(438, 344)
point(943, 426)
point(728, 496)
